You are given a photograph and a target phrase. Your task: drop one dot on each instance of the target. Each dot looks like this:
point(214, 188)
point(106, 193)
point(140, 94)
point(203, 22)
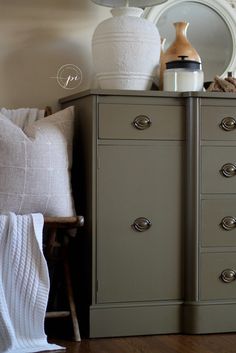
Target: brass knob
point(142, 122)
point(228, 223)
point(141, 224)
point(228, 275)
point(228, 124)
point(228, 170)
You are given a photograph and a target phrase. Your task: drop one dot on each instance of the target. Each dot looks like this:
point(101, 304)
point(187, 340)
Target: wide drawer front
point(218, 123)
point(218, 169)
point(218, 222)
point(218, 276)
point(117, 121)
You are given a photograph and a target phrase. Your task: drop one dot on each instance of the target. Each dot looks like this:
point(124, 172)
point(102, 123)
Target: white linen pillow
point(23, 116)
point(35, 165)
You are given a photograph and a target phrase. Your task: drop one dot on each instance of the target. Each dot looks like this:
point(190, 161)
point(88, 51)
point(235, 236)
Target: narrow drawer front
point(218, 276)
point(219, 170)
point(218, 223)
point(218, 123)
point(117, 121)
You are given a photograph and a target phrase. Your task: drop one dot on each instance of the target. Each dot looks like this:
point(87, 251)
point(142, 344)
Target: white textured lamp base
point(126, 50)
point(125, 81)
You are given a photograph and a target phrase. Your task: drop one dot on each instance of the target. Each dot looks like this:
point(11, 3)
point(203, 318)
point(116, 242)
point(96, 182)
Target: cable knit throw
point(24, 285)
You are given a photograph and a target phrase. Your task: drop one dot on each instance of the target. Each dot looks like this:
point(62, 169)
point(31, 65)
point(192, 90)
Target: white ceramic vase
point(126, 50)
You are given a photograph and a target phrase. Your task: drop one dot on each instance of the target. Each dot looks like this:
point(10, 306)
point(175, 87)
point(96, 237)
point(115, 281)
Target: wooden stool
point(52, 225)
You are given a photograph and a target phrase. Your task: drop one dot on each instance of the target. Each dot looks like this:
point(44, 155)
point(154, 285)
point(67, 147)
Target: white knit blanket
point(24, 285)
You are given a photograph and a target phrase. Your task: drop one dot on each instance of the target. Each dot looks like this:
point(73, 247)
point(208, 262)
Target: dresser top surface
point(151, 93)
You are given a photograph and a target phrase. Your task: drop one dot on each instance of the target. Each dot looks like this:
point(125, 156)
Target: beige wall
point(37, 37)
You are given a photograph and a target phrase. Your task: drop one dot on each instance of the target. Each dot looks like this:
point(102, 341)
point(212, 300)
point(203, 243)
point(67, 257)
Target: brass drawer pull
point(228, 170)
point(228, 124)
point(228, 275)
point(228, 223)
point(142, 122)
point(141, 224)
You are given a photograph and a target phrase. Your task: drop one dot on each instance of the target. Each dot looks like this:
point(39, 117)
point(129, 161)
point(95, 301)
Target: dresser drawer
point(129, 121)
point(218, 123)
point(217, 163)
point(214, 267)
point(218, 222)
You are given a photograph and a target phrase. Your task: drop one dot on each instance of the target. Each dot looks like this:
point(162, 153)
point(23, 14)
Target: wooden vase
point(180, 47)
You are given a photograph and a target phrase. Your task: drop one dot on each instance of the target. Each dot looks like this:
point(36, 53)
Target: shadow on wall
point(33, 49)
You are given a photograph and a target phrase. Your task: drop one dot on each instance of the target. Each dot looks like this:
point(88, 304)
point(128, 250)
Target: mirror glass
point(207, 32)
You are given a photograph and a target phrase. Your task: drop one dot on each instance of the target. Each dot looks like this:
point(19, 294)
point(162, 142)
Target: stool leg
point(71, 301)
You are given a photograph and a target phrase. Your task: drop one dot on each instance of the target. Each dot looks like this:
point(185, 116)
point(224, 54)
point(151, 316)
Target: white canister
point(183, 75)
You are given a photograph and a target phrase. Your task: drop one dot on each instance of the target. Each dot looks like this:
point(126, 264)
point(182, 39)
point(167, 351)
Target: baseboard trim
point(204, 318)
point(113, 321)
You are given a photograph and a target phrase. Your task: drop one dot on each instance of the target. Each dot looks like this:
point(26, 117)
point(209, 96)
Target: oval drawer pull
point(228, 223)
point(228, 275)
point(228, 124)
point(228, 170)
point(141, 224)
point(142, 122)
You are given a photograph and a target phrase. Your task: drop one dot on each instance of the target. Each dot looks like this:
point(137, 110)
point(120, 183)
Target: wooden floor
point(222, 343)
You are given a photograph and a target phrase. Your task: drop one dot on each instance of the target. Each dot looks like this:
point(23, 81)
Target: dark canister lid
point(183, 64)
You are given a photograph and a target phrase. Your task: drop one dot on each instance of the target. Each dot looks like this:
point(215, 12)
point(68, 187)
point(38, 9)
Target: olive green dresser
point(157, 188)
point(133, 145)
point(210, 294)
